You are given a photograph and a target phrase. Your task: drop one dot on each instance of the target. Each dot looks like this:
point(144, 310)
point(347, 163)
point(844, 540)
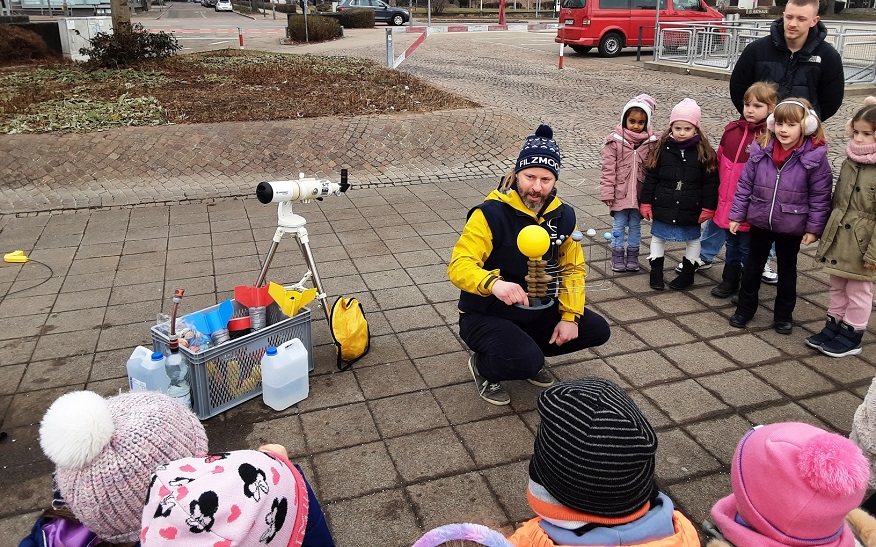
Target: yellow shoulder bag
point(350, 331)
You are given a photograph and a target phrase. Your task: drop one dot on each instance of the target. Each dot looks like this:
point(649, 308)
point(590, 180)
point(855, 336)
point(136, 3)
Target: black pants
point(787, 248)
point(512, 350)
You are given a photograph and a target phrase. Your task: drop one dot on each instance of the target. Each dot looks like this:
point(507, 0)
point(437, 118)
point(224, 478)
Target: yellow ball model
point(533, 241)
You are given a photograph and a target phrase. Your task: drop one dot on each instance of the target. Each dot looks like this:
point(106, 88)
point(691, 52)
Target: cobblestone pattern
point(182, 162)
point(583, 101)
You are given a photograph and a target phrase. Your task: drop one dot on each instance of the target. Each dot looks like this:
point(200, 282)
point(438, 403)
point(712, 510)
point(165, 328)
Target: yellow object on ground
point(15, 256)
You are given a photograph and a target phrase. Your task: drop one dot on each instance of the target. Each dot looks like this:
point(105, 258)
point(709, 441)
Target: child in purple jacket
point(784, 194)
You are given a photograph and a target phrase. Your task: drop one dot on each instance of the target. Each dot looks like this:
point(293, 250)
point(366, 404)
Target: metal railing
point(717, 45)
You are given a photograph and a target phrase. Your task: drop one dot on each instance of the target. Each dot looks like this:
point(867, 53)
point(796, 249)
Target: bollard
point(639, 49)
point(240, 37)
point(390, 54)
point(562, 47)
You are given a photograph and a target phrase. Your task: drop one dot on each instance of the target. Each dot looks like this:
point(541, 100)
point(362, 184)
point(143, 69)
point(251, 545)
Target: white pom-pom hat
point(106, 450)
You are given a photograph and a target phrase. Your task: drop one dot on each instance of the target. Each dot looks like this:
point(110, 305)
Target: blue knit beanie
point(540, 150)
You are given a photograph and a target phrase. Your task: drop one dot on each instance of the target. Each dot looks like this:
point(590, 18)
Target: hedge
point(319, 28)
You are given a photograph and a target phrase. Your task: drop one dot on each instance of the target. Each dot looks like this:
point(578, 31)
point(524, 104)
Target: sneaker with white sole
point(702, 265)
point(492, 393)
point(542, 379)
point(769, 276)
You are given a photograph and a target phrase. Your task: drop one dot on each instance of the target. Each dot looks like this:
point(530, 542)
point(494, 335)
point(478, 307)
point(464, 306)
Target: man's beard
point(534, 206)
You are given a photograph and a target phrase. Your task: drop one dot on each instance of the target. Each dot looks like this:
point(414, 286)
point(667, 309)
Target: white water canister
point(146, 371)
point(284, 375)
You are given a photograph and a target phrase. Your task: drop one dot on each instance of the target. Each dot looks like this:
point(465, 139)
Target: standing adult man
point(509, 342)
point(796, 57)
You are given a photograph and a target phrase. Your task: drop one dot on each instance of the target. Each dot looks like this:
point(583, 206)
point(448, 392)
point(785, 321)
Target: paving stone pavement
point(401, 442)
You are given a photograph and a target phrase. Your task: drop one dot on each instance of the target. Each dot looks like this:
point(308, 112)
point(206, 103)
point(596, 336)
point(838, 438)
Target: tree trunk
point(121, 13)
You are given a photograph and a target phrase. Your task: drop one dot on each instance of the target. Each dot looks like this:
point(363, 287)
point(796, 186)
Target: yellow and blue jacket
point(487, 251)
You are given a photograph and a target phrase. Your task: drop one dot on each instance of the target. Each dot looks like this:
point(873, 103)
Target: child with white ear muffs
point(784, 194)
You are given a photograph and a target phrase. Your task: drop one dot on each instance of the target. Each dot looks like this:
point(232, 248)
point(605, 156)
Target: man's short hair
point(814, 3)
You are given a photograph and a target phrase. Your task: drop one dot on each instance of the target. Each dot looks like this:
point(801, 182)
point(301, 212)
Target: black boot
point(828, 333)
point(730, 279)
point(847, 342)
point(657, 273)
point(686, 278)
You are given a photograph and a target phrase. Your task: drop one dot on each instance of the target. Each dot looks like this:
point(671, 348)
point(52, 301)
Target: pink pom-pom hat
point(793, 484)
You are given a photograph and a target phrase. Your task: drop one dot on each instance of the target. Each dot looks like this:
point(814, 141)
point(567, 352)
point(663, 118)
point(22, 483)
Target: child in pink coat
point(760, 100)
point(623, 157)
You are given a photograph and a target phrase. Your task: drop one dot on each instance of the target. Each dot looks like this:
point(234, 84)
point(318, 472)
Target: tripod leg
point(278, 235)
point(304, 244)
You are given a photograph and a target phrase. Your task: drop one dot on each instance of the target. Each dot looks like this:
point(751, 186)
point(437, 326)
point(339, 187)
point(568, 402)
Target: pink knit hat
point(686, 111)
point(239, 498)
point(793, 484)
point(106, 450)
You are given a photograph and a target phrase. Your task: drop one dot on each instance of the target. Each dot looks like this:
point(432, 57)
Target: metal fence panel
point(717, 45)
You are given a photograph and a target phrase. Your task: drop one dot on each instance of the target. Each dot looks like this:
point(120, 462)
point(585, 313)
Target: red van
point(612, 25)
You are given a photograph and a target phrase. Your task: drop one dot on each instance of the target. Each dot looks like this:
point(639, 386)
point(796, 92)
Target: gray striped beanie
point(594, 450)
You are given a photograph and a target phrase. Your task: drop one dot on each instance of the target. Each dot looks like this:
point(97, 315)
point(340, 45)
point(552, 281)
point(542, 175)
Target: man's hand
point(809, 238)
point(608, 202)
point(868, 266)
point(509, 293)
point(645, 209)
point(734, 226)
point(564, 332)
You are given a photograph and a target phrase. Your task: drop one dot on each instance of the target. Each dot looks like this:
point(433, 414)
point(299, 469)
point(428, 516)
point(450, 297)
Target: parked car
point(383, 12)
point(208, 3)
point(611, 25)
point(224, 5)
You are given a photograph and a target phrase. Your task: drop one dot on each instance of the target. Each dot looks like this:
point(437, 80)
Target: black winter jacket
point(679, 188)
point(814, 73)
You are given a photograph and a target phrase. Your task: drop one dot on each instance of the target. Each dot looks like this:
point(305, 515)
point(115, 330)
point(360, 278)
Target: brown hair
point(814, 3)
point(705, 153)
point(508, 181)
point(787, 111)
point(764, 92)
point(867, 113)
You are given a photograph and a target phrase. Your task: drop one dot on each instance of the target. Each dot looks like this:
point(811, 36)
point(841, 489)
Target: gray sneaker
point(542, 379)
point(494, 394)
point(769, 276)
